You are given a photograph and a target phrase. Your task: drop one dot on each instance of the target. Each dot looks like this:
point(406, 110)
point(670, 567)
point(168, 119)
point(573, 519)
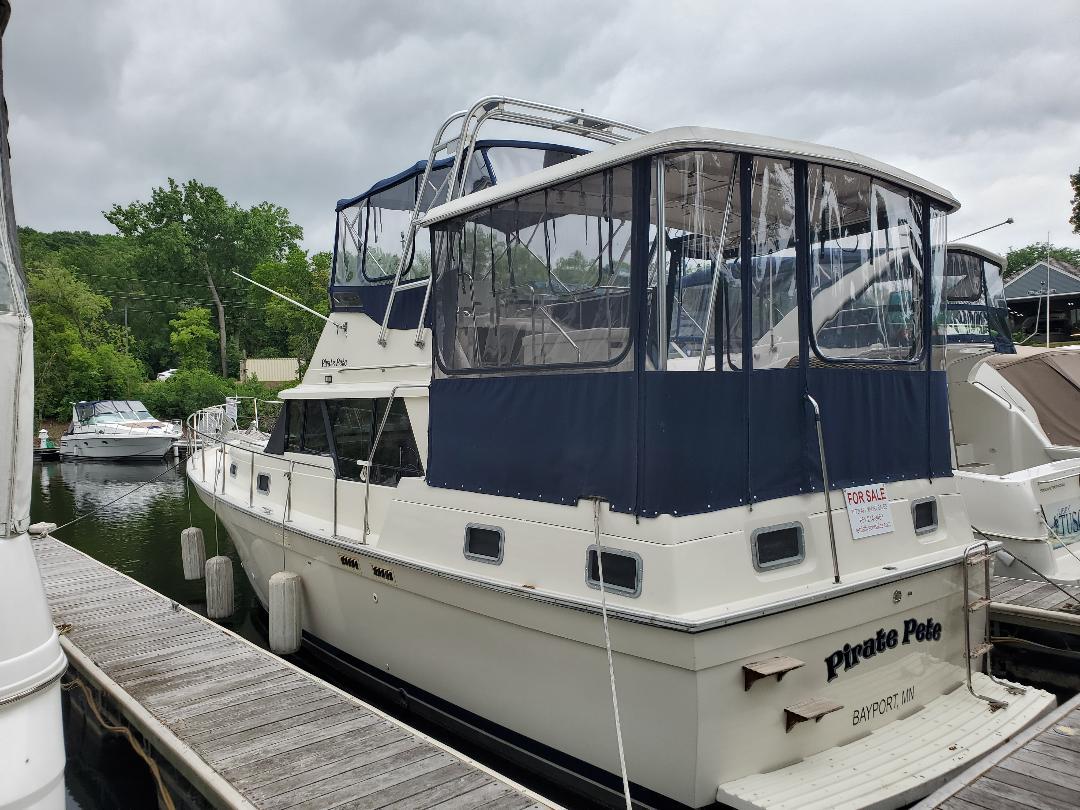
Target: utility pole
point(1048, 289)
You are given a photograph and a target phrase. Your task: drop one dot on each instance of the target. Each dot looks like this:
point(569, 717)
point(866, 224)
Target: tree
point(192, 337)
point(57, 289)
point(1074, 220)
point(192, 233)
point(288, 329)
point(1023, 258)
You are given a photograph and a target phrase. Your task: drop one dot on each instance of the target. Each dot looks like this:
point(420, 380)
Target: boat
point(117, 429)
point(693, 544)
point(31, 660)
point(1016, 426)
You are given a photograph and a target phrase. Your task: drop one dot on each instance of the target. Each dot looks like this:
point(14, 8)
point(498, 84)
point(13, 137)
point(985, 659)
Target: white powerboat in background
point(684, 388)
point(31, 661)
point(116, 429)
point(1016, 425)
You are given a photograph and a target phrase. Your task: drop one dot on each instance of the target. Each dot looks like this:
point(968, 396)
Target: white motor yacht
point(31, 661)
point(1016, 426)
point(116, 429)
point(701, 542)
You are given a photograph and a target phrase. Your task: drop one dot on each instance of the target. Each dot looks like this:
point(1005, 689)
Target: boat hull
point(114, 447)
point(538, 669)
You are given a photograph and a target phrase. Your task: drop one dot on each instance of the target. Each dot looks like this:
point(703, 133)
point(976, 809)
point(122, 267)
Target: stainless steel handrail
point(825, 482)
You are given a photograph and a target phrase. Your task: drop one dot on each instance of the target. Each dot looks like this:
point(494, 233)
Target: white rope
point(607, 644)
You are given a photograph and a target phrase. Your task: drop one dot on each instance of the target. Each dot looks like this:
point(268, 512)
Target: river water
point(130, 516)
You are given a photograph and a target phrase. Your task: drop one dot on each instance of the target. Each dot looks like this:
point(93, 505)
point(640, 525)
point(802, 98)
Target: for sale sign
point(868, 510)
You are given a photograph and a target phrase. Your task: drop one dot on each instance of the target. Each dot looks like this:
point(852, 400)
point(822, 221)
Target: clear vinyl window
point(538, 282)
point(866, 264)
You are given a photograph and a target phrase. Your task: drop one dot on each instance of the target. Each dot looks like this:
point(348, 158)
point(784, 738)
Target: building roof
point(272, 369)
point(1031, 283)
point(687, 138)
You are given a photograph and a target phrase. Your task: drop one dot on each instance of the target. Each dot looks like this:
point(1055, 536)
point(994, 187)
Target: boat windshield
point(975, 307)
point(106, 412)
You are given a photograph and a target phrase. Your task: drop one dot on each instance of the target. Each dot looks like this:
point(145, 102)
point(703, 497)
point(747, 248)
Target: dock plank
point(253, 729)
point(1038, 769)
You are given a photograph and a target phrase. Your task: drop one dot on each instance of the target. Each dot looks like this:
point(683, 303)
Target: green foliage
point(1074, 220)
point(1023, 258)
point(192, 337)
point(190, 234)
point(188, 390)
point(77, 353)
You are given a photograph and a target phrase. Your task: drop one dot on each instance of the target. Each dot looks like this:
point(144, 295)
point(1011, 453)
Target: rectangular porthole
point(232, 469)
point(484, 543)
point(924, 515)
point(622, 571)
point(777, 546)
point(262, 483)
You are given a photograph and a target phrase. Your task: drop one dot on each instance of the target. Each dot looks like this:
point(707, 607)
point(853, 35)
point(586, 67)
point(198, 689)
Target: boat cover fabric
point(1050, 381)
point(707, 441)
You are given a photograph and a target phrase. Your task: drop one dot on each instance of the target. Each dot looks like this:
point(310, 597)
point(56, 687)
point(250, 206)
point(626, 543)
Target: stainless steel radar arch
point(491, 108)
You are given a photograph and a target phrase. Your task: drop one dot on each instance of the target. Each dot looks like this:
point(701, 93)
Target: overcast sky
point(304, 103)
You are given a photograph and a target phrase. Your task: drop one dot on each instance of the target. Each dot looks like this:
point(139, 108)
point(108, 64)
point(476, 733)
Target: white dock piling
point(193, 552)
point(219, 587)
point(285, 595)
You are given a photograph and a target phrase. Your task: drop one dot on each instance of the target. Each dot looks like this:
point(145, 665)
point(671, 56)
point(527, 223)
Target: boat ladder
point(975, 555)
point(461, 145)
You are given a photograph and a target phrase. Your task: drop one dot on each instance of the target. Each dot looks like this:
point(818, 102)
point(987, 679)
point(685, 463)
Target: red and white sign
point(868, 510)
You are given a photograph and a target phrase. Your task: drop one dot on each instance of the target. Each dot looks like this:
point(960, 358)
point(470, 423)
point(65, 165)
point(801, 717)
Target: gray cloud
point(303, 103)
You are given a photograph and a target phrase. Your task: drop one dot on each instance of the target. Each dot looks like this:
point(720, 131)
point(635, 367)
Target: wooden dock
point(1036, 632)
point(1030, 599)
point(1040, 768)
point(246, 728)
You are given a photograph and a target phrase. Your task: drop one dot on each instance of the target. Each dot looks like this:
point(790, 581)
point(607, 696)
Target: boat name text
point(851, 655)
point(334, 362)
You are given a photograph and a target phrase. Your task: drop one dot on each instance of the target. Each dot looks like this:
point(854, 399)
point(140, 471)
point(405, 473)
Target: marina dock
point(1037, 769)
point(1036, 630)
point(246, 728)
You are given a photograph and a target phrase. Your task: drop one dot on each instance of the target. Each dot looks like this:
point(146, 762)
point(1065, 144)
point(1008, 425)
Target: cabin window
point(262, 483)
point(232, 469)
point(702, 216)
point(777, 546)
point(924, 515)
point(294, 435)
point(622, 571)
point(542, 281)
point(866, 265)
point(315, 441)
point(355, 424)
point(484, 543)
point(773, 288)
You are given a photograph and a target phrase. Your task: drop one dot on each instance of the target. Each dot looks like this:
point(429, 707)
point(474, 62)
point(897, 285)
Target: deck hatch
point(484, 543)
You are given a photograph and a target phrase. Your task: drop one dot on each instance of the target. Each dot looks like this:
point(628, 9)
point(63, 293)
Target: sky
point(304, 103)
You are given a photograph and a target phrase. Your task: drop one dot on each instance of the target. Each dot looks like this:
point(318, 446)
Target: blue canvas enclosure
point(552, 382)
point(563, 437)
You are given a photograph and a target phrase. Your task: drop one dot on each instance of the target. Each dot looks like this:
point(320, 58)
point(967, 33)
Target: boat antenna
point(1009, 221)
point(341, 327)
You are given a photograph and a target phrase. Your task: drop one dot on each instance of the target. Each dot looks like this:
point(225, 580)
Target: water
point(131, 516)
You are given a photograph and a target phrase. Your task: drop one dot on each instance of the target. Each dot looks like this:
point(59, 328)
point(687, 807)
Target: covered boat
point(1016, 426)
point(116, 429)
point(689, 542)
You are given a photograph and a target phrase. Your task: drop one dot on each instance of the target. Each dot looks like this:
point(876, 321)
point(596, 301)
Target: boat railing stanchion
point(335, 503)
point(825, 485)
point(251, 482)
point(288, 492)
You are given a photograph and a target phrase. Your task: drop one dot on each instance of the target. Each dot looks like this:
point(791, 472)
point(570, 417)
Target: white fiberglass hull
point(1034, 513)
point(105, 446)
point(31, 663)
point(538, 668)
